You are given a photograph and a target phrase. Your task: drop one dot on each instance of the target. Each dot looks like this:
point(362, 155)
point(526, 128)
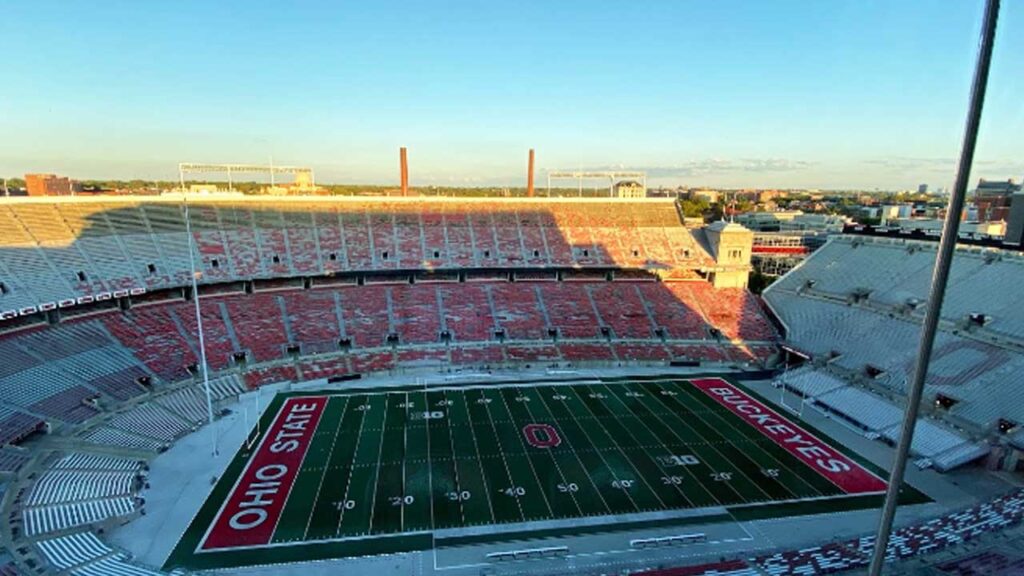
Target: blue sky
point(727, 93)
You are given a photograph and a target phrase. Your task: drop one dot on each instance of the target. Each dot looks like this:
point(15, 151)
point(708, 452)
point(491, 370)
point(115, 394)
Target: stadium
point(411, 385)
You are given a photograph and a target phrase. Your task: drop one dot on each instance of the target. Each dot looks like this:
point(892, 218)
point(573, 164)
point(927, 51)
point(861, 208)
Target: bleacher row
point(72, 371)
point(265, 327)
point(157, 423)
point(84, 554)
point(78, 489)
point(55, 251)
point(933, 444)
point(910, 541)
point(981, 377)
point(895, 272)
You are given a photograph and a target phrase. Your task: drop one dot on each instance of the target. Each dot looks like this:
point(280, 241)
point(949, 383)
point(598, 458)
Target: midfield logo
point(541, 435)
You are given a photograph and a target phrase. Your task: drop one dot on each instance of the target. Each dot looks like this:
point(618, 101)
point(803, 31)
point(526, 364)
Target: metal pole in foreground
point(199, 328)
point(938, 289)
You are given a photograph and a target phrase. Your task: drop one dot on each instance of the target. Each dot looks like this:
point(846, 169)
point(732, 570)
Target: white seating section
point(69, 551)
point(70, 485)
point(869, 410)
point(40, 520)
point(973, 368)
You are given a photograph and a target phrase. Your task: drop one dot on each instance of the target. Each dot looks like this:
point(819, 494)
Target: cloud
point(713, 167)
point(994, 167)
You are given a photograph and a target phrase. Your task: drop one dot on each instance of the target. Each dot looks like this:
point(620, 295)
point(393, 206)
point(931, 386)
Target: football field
point(362, 472)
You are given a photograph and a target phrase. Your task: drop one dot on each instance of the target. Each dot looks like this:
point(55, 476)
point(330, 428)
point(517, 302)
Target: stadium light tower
point(199, 327)
point(937, 293)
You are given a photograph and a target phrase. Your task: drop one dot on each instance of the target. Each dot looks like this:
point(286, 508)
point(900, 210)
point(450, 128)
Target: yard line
point(596, 451)
point(455, 464)
point(652, 458)
point(405, 451)
point(480, 461)
point(700, 440)
point(430, 460)
point(641, 419)
point(561, 474)
point(351, 468)
point(334, 441)
point(696, 414)
point(607, 508)
point(540, 485)
point(619, 448)
point(777, 461)
point(501, 450)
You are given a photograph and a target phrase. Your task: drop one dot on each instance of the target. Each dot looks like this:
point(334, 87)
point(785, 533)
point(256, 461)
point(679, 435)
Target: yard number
point(622, 484)
point(560, 397)
point(568, 488)
point(514, 491)
point(679, 460)
point(483, 400)
point(345, 505)
point(459, 496)
point(721, 476)
point(770, 472)
point(671, 480)
point(402, 500)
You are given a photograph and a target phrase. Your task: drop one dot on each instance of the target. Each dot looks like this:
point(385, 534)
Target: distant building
point(992, 198)
point(50, 185)
point(766, 221)
point(1015, 227)
point(710, 195)
point(894, 212)
point(922, 188)
point(630, 189)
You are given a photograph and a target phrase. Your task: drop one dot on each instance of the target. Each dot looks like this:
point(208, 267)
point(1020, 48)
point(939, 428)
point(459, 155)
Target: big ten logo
point(541, 435)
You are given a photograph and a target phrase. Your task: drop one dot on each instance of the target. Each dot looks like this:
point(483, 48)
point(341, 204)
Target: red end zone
point(252, 509)
point(851, 477)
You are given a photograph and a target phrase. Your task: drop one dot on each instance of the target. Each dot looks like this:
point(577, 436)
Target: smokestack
point(529, 177)
point(404, 161)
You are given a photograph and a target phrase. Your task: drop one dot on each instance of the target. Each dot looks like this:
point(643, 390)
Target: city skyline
point(731, 94)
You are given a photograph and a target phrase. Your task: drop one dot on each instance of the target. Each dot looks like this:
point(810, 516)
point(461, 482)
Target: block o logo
point(541, 435)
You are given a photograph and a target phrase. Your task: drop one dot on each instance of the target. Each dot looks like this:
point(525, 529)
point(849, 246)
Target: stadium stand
point(856, 305)
point(906, 542)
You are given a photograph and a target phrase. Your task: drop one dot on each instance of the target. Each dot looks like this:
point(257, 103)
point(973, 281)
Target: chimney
point(404, 160)
point(529, 177)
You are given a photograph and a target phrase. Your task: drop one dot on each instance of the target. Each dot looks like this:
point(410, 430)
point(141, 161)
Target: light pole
point(199, 328)
point(943, 261)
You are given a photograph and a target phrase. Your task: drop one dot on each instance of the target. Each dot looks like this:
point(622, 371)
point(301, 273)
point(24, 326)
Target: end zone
point(252, 509)
point(848, 475)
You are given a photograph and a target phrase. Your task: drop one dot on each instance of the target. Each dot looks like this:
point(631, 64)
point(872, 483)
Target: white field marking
point(238, 481)
point(618, 447)
point(777, 462)
point(334, 441)
point(714, 447)
point(600, 553)
point(455, 466)
point(640, 418)
point(351, 469)
point(557, 466)
point(596, 451)
point(522, 442)
point(653, 413)
point(405, 450)
point(430, 460)
point(479, 460)
point(657, 464)
point(508, 471)
point(376, 476)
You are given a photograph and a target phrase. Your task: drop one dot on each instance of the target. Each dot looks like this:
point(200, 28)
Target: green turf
point(376, 468)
